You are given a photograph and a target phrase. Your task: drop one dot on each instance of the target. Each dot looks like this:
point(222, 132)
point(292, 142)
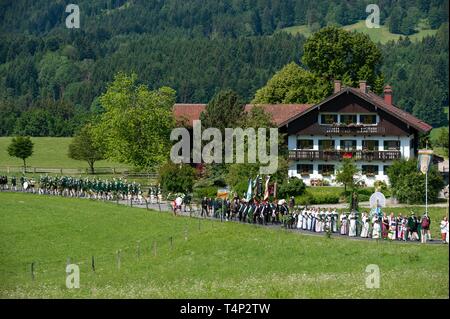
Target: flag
point(266, 191)
point(424, 160)
point(255, 185)
point(248, 196)
point(275, 190)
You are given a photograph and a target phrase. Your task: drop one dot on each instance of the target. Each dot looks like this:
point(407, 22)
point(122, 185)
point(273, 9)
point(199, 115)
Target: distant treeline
point(50, 76)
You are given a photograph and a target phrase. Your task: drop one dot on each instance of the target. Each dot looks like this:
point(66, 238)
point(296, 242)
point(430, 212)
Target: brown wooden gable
point(307, 123)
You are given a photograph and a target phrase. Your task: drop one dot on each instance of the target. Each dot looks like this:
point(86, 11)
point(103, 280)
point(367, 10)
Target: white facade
point(378, 173)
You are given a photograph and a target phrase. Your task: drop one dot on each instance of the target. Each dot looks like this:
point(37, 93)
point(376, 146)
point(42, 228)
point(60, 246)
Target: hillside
point(217, 260)
point(378, 35)
point(51, 76)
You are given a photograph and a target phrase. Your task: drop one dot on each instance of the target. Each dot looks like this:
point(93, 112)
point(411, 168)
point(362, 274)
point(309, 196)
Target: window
point(304, 169)
point(348, 145)
point(370, 145)
point(325, 145)
point(348, 118)
point(368, 119)
point(385, 169)
point(369, 170)
point(391, 145)
point(328, 119)
point(305, 144)
point(326, 170)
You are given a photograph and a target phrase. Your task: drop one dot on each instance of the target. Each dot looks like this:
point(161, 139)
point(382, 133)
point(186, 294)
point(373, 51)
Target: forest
point(51, 76)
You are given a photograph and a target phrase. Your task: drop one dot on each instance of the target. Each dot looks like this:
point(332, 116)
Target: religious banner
point(424, 160)
point(222, 193)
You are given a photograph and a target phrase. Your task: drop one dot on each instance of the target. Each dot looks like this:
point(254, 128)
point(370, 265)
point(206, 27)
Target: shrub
point(317, 199)
point(175, 178)
point(293, 187)
point(208, 191)
point(408, 183)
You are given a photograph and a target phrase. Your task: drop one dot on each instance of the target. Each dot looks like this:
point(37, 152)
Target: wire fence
point(138, 251)
point(68, 171)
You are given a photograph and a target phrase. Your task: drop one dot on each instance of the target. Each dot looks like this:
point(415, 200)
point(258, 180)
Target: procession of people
point(367, 224)
point(69, 186)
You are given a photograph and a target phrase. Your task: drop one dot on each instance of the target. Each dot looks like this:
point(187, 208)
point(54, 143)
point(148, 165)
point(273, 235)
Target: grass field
point(381, 34)
point(433, 136)
point(217, 259)
point(49, 152)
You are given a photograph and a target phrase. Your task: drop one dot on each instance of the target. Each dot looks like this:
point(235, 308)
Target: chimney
point(388, 94)
point(363, 86)
point(337, 86)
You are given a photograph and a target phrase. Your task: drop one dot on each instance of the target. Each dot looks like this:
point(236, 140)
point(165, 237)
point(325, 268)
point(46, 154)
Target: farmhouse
point(351, 123)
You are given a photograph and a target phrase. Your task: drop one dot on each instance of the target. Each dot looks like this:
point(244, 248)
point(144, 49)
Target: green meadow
point(49, 152)
point(205, 259)
point(381, 34)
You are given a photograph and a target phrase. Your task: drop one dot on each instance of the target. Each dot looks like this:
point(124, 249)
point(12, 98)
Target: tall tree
point(224, 110)
point(293, 84)
point(334, 53)
point(84, 147)
point(137, 122)
point(345, 174)
point(21, 147)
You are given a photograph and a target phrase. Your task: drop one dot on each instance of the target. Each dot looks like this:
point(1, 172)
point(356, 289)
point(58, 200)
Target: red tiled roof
point(282, 114)
point(187, 113)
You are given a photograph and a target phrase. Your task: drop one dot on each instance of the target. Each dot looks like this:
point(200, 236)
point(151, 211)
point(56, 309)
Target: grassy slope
point(381, 34)
point(49, 152)
point(438, 150)
point(219, 260)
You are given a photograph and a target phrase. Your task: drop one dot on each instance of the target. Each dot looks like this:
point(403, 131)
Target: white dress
point(344, 225)
point(365, 227)
point(352, 230)
point(318, 222)
point(376, 232)
point(304, 220)
point(299, 220)
point(309, 222)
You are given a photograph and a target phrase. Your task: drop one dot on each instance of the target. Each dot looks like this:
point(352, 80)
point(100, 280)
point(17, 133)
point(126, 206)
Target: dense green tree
point(137, 122)
point(176, 178)
point(346, 174)
point(334, 53)
point(292, 187)
point(224, 110)
point(408, 183)
point(293, 84)
point(84, 147)
point(21, 147)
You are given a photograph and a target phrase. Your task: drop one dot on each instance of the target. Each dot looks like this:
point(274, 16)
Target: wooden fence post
point(32, 271)
point(118, 259)
point(138, 250)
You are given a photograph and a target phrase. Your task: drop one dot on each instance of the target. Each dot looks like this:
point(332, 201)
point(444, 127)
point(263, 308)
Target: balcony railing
point(337, 155)
point(353, 130)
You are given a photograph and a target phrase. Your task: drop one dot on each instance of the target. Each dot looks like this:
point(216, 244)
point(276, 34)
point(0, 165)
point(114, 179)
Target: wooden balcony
point(353, 130)
point(337, 155)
